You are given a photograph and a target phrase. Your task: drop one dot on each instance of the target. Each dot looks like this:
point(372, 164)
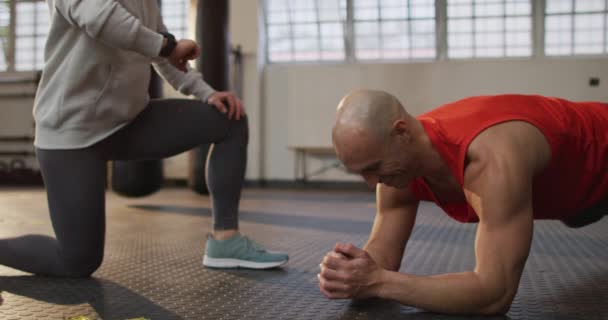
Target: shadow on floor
point(282, 220)
point(585, 299)
point(386, 309)
point(422, 232)
point(109, 300)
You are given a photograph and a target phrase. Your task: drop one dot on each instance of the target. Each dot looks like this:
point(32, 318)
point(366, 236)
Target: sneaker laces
point(254, 245)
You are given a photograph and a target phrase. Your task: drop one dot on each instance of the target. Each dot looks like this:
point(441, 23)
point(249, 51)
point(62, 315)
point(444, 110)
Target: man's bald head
point(368, 115)
point(375, 137)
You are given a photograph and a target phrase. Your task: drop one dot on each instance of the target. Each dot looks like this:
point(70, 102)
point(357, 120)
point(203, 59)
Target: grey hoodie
point(96, 73)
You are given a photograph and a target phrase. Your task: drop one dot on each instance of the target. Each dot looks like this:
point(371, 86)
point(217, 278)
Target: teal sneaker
point(240, 252)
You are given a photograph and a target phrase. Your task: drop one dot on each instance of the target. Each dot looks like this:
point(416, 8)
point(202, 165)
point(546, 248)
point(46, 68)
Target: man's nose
point(371, 179)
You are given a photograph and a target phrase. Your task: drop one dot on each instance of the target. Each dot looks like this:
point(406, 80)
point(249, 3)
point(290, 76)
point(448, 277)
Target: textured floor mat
point(152, 266)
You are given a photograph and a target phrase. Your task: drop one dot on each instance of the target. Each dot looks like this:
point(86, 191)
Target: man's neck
point(435, 170)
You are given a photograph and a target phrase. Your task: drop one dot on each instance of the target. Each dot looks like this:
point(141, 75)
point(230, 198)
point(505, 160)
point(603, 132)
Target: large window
point(305, 30)
point(31, 29)
point(489, 28)
point(576, 27)
point(394, 29)
point(319, 30)
point(355, 30)
point(23, 35)
point(175, 16)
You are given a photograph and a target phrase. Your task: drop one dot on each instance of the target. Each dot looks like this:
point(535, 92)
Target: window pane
point(460, 25)
point(393, 9)
point(496, 26)
point(588, 34)
point(575, 27)
point(175, 17)
point(489, 24)
point(333, 44)
point(305, 30)
point(518, 8)
point(460, 10)
point(589, 5)
point(559, 6)
point(332, 30)
point(31, 29)
point(4, 31)
point(460, 41)
point(329, 11)
point(366, 28)
point(304, 16)
point(519, 51)
point(280, 45)
point(278, 17)
point(488, 9)
point(518, 40)
point(279, 32)
point(518, 24)
point(276, 5)
point(394, 29)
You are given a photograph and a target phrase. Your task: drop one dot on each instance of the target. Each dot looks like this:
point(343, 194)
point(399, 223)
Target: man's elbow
point(496, 309)
point(499, 306)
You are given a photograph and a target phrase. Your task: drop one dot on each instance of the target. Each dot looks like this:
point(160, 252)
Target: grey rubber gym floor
point(154, 248)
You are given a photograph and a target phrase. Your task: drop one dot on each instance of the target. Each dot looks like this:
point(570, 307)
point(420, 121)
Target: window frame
point(347, 40)
point(35, 36)
point(573, 14)
point(537, 15)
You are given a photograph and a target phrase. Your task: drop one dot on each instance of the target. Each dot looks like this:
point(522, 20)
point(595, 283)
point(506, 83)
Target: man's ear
point(401, 130)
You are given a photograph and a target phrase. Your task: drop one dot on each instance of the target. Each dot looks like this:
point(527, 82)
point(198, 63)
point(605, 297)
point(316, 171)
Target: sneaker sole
point(236, 263)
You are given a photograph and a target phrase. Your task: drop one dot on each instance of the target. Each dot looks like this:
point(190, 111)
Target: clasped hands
point(348, 272)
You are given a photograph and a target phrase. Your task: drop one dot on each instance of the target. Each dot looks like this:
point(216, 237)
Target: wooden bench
point(302, 153)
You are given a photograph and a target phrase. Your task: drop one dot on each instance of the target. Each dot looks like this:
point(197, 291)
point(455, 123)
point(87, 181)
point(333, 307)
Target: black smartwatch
point(169, 47)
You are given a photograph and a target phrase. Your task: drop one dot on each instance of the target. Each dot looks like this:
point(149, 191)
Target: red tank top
point(575, 178)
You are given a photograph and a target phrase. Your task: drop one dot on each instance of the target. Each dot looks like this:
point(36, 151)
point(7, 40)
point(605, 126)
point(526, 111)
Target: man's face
point(387, 163)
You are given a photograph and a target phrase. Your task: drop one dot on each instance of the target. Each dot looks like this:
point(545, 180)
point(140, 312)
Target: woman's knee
point(239, 129)
point(82, 265)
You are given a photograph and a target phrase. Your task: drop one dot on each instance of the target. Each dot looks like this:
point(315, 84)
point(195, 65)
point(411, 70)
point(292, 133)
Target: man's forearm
point(381, 258)
point(456, 293)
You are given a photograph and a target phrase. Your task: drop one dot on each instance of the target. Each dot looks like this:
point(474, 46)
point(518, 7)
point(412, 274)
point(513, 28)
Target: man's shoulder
point(512, 142)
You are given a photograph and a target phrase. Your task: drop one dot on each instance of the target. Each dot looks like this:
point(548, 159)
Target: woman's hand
point(227, 102)
point(184, 51)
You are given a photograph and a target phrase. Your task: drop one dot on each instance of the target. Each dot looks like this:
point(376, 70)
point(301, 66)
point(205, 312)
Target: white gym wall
point(300, 99)
point(291, 104)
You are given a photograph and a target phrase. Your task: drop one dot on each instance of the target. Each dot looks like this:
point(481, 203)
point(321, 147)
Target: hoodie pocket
point(83, 91)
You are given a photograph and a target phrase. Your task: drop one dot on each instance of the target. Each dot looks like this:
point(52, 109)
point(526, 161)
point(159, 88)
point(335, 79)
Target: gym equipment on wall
point(212, 36)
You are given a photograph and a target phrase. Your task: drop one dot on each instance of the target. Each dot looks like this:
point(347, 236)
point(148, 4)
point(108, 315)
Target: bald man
point(501, 161)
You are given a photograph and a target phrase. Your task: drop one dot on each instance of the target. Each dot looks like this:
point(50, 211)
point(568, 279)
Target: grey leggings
point(75, 183)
